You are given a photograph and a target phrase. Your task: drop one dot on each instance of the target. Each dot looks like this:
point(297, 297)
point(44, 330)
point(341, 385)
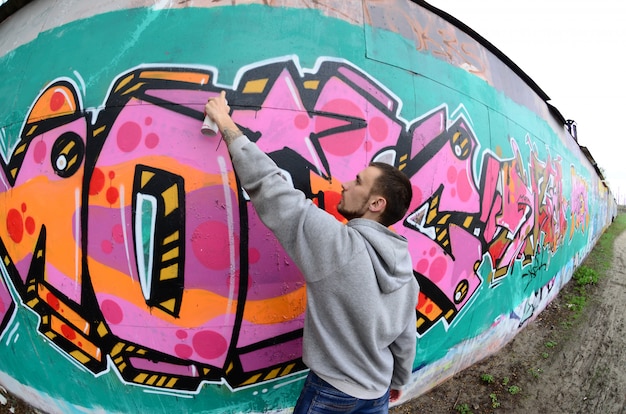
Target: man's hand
point(218, 110)
point(394, 395)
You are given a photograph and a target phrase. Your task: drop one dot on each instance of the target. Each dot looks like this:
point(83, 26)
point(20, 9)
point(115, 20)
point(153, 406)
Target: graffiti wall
point(135, 274)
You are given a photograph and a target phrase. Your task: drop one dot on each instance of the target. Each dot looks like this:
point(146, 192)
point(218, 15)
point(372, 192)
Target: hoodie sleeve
point(300, 226)
point(403, 350)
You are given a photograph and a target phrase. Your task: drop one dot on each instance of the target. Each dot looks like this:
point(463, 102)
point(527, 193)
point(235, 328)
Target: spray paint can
point(209, 127)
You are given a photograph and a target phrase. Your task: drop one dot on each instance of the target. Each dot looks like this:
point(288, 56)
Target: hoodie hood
point(390, 256)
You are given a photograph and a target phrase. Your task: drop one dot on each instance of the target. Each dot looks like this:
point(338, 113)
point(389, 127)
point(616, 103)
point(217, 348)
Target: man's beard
point(352, 214)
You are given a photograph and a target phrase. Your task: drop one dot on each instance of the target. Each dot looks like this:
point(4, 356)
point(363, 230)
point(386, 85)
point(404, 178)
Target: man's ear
point(378, 204)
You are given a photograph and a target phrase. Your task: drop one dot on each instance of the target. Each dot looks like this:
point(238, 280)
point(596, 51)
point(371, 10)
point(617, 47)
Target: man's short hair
point(395, 187)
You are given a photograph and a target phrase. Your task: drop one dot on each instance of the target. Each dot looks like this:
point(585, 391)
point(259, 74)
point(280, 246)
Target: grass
point(494, 400)
point(488, 378)
point(595, 267)
point(550, 344)
point(601, 256)
point(514, 389)
point(463, 409)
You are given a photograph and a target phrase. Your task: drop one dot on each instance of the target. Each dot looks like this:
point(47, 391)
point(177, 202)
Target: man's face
point(356, 194)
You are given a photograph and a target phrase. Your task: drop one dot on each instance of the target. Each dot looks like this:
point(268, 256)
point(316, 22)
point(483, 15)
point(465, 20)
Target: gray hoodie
point(359, 329)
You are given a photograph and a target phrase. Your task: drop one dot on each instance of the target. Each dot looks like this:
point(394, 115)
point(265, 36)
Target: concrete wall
point(135, 274)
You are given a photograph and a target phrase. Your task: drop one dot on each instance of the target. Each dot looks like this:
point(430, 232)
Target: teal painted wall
point(136, 276)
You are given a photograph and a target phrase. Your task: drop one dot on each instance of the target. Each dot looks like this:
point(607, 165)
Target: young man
point(359, 335)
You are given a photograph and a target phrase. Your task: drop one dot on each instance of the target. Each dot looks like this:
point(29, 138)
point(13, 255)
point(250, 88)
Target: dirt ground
point(550, 367)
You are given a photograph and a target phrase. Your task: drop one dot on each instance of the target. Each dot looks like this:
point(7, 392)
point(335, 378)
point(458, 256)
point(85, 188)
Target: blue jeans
point(319, 397)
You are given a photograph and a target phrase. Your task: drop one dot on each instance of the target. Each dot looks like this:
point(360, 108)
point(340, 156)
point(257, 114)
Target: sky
point(572, 50)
